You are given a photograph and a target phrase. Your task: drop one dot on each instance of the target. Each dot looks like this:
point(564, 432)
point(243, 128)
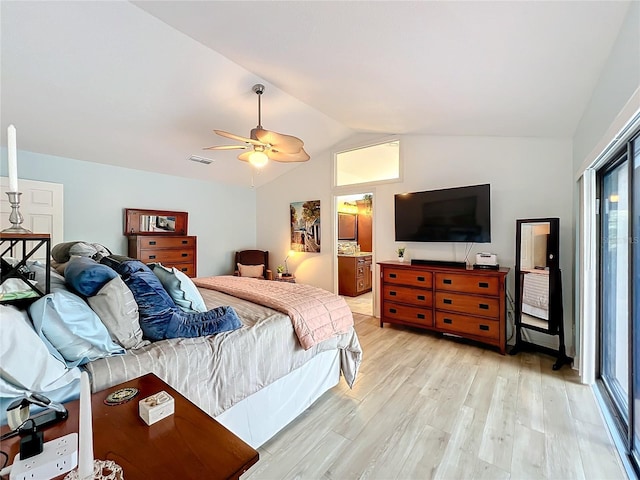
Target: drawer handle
point(420, 316)
point(392, 293)
point(152, 256)
point(420, 279)
point(185, 254)
point(392, 310)
point(447, 281)
point(484, 306)
point(483, 285)
point(184, 242)
point(184, 269)
point(447, 301)
point(484, 327)
point(447, 320)
point(392, 275)
point(153, 242)
point(421, 297)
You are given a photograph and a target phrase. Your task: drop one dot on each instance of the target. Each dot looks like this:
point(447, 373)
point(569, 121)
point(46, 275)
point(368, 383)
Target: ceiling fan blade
point(238, 137)
point(226, 147)
point(281, 142)
point(300, 156)
point(245, 156)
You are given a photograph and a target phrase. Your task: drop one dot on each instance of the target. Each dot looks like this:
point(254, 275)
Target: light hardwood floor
point(425, 407)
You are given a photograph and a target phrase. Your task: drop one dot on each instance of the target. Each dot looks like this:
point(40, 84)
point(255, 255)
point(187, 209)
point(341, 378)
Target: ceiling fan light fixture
point(264, 145)
point(258, 158)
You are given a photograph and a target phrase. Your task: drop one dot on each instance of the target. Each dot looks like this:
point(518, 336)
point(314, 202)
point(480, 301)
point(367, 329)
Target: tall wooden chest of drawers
point(467, 303)
point(177, 251)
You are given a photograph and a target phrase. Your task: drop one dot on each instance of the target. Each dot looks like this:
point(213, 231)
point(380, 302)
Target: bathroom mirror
point(538, 285)
point(155, 222)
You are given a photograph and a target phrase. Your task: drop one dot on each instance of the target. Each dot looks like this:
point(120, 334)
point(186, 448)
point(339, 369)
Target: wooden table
point(187, 444)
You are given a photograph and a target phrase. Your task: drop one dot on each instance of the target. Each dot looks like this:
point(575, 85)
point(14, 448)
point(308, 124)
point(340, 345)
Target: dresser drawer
point(473, 305)
point(404, 313)
point(167, 256)
point(364, 261)
point(483, 285)
point(186, 268)
point(413, 296)
point(408, 277)
point(478, 327)
point(166, 242)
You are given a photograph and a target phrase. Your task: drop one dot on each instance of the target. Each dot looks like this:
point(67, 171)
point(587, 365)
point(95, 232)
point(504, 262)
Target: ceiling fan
point(264, 144)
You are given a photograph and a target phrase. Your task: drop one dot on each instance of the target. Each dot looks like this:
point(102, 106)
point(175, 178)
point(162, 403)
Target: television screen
point(460, 214)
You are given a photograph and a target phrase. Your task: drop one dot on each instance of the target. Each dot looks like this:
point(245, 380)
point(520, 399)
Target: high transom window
point(369, 164)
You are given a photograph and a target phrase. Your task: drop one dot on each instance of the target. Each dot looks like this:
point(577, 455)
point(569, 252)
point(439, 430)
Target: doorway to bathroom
point(354, 220)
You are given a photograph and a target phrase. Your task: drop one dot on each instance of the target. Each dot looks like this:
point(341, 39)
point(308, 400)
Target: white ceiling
point(143, 84)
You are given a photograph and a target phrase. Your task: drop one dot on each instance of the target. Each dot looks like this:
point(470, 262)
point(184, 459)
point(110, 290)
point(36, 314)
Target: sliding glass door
point(619, 292)
point(635, 294)
point(614, 285)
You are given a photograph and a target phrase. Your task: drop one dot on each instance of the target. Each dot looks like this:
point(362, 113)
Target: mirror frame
point(555, 293)
point(132, 221)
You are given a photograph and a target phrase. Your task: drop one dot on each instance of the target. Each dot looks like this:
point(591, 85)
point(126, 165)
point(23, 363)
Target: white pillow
point(256, 271)
point(25, 361)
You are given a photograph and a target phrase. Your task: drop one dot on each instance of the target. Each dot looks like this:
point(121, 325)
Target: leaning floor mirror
point(538, 286)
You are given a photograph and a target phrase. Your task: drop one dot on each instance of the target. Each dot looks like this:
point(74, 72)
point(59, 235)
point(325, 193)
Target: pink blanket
point(316, 313)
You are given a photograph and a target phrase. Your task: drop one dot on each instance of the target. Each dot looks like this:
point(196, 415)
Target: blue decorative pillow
point(70, 329)
point(180, 288)
point(160, 318)
point(86, 276)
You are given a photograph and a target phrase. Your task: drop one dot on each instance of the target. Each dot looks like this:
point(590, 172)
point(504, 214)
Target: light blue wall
point(95, 196)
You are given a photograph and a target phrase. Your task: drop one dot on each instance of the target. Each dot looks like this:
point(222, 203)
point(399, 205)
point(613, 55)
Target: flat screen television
point(461, 214)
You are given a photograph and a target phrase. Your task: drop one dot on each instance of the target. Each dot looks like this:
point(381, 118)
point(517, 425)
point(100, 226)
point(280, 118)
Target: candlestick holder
point(15, 217)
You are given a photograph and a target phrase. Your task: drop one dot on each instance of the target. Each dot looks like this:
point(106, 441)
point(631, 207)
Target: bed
point(254, 379)
point(535, 294)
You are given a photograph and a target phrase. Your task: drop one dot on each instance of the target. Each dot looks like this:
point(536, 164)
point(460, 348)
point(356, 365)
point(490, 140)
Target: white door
point(41, 205)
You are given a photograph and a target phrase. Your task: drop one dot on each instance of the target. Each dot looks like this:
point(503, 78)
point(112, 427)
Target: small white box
point(156, 407)
point(486, 259)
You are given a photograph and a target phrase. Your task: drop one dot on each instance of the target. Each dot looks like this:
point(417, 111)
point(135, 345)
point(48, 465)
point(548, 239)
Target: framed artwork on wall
point(305, 226)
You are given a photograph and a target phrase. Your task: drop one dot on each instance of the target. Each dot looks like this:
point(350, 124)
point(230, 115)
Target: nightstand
point(291, 279)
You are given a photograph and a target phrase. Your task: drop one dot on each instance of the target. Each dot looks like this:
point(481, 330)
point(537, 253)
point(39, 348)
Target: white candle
point(13, 158)
point(85, 450)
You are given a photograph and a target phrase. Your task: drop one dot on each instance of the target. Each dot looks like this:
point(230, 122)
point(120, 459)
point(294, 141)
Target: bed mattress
point(216, 372)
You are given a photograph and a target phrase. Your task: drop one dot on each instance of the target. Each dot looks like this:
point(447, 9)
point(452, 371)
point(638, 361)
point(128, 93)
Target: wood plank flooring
point(426, 406)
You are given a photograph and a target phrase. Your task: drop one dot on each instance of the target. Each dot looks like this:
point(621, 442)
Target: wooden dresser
point(354, 274)
point(170, 250)
point(467, 303)
point(160, 236)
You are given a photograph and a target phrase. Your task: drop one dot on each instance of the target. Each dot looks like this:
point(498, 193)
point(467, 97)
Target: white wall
point(619, 81)
point(529, 178)
point(95, 196)
point(615, 100)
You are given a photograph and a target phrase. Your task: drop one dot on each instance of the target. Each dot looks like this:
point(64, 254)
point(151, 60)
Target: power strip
point(58, 456)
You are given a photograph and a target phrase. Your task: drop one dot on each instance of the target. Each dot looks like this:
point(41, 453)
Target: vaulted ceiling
point(143, 84)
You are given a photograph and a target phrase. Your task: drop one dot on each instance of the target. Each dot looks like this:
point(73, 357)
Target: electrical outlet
point(58, 456)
